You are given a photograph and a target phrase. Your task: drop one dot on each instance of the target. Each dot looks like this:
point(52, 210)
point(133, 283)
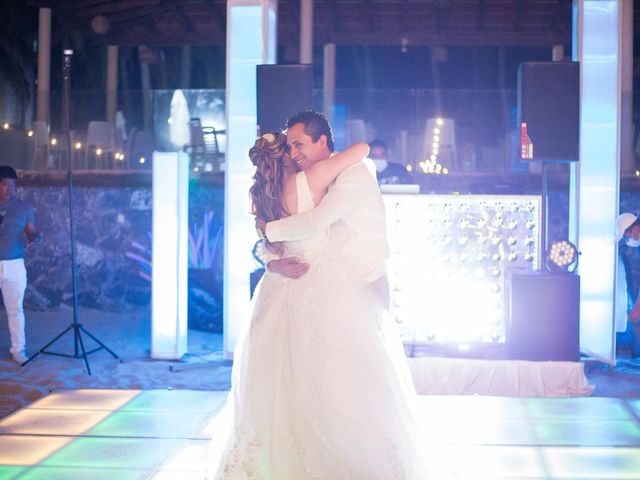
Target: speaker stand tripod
point(75, 326)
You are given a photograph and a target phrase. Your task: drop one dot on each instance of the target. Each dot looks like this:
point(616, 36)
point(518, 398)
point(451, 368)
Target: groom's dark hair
point(315, 124)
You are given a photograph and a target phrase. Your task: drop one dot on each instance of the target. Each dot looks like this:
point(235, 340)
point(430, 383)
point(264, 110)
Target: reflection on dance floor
point(163, 434)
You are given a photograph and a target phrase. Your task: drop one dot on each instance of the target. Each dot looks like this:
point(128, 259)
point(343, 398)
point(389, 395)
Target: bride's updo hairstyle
point(267, 154)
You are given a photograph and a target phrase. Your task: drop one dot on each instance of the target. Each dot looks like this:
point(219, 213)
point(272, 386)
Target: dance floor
point(163, 434)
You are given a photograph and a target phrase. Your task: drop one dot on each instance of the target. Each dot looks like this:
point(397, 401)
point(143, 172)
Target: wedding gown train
point(321, 388)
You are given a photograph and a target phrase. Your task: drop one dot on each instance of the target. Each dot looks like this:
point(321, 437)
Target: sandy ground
point(204, 368)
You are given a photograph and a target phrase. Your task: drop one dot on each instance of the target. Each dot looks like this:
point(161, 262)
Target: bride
point(320, 384)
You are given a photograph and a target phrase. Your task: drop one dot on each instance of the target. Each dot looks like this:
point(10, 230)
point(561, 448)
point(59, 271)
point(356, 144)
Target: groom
point(352, 208)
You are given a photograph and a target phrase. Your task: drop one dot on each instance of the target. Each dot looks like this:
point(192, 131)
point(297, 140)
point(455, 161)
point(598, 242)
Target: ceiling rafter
point(185, 21)
point(481, 8)
point(365, 22)
point(518, 15)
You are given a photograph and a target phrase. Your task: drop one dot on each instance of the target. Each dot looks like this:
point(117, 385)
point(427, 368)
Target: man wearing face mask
point(387, 172)
point(628, 230)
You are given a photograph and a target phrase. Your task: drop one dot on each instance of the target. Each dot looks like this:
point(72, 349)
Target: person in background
point(628, 231)
point(387, 172)
point(16, 225)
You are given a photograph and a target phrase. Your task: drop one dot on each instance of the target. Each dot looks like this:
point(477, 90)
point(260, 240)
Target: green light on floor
point(130, 453)
point(150, 424)
point(57, 473)
point(8, 472)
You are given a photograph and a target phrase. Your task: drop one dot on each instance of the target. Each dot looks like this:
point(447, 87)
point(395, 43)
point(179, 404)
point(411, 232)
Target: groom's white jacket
point(354, 210)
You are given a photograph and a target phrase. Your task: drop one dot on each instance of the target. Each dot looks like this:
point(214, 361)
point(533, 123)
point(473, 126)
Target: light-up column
point(170, 237)
point(251, 41)
point(595, 179)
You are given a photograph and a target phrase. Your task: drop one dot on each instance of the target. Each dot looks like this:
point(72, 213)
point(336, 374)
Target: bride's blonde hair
point(267, 154)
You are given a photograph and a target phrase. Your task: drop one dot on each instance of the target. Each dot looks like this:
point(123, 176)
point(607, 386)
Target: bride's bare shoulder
point(290, 194)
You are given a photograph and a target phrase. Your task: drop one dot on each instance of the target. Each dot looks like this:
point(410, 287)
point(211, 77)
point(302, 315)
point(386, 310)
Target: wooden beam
point(336, 20)
point(481, 9)
point(187, 24)
point(219, 11)
point(518, 15)
point(406, 11)
point(368, 15)
point(442, 13)
point(437, 38)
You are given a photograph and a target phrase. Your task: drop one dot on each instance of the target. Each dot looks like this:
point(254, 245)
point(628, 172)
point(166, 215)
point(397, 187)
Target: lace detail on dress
point(394, 459)
point(311, 472)
point(310, 320)
point(243, 458)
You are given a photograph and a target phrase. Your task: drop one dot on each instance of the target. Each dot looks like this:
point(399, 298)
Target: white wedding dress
point(321, 387)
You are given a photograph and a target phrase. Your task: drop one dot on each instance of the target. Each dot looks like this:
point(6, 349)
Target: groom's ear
point(323, 141)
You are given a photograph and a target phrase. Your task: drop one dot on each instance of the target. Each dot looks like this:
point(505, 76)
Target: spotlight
point(562, 256)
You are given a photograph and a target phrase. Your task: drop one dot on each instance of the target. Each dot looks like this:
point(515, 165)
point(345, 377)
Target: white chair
point(203, 147)
point(101, 137)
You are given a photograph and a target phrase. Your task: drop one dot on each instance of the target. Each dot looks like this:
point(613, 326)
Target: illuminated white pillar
point(170, 239)
point(251, 41)
point(306, 31)
point(595, 179)
point(112, 83)
point(44, 64)
point(329, 81)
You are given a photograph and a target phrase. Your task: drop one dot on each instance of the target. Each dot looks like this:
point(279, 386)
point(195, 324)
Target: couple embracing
point(321, 388)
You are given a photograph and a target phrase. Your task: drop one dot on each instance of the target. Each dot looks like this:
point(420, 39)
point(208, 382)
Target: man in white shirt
point(352, 208)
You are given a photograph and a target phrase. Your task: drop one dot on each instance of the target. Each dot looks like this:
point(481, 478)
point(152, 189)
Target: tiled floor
point(163, 434)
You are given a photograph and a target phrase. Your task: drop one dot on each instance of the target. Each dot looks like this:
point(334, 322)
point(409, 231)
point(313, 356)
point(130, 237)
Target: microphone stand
point(75, 326)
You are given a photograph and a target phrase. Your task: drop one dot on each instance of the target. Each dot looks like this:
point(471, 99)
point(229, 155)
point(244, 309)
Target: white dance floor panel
point(164, 435)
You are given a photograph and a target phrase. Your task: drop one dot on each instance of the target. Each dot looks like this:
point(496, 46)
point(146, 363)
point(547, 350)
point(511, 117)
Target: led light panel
point(449, 254)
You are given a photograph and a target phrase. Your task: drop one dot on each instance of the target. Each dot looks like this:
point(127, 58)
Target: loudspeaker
point(283, 91)
point(543, 311)
point(549, 111)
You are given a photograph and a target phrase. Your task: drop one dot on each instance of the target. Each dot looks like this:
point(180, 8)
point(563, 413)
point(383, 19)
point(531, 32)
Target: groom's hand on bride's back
point(288, 267)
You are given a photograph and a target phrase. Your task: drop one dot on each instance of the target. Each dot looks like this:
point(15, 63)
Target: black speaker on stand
point(549, 119)
point(543, 308)
point(282, 91)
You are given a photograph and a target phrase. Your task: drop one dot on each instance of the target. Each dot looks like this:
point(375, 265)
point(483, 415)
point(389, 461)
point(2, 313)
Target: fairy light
point(432, 166)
